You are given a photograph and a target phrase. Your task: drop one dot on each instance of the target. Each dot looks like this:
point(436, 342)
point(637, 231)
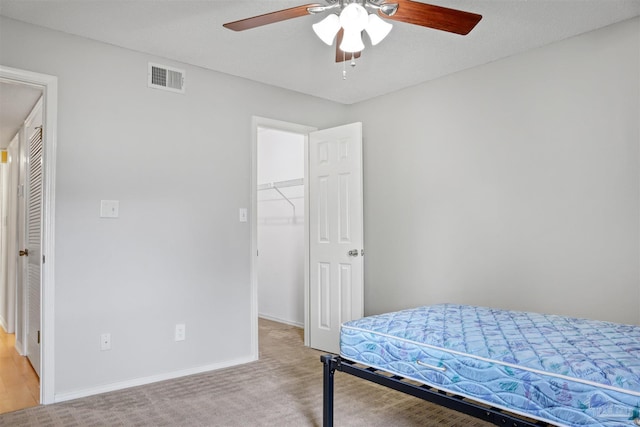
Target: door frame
point(257, 122)
point(49, 84)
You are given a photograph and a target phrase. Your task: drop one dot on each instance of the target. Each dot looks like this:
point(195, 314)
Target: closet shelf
point(282, 184)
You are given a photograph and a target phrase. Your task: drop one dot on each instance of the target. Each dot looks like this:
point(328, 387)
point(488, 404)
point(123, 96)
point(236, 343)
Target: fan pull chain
point(344, 67)
point(344, 63)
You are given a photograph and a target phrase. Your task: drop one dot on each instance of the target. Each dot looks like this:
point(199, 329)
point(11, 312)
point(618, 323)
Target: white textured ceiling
point(289, 55)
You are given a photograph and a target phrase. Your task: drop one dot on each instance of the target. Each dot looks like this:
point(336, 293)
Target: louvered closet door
point(34, 245)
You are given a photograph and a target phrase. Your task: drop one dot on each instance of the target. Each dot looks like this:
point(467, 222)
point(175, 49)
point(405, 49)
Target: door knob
point(353, 252)
point(24, 253)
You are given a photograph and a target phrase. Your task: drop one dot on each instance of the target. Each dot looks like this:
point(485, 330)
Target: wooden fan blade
point(340, 54)
point(270, 18)
point(437, 17)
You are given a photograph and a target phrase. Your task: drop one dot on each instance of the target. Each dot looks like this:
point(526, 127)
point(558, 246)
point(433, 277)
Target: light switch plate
point(243, 215)
point(109, 208)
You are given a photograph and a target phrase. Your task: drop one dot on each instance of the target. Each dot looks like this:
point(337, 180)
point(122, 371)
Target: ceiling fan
point(348, 19)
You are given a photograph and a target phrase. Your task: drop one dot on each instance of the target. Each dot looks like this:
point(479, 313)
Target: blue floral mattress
point(565, 371)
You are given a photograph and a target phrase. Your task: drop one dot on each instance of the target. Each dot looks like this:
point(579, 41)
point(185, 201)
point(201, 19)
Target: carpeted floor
point(283, 388)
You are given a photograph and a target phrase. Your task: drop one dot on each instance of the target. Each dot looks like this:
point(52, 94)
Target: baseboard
point(62, 397)
point(20, 348)
point(276, 319)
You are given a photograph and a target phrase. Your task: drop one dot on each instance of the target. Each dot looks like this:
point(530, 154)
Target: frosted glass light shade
point(377, 29)
point(327, 29)
point(354, 18)
point(352, 42)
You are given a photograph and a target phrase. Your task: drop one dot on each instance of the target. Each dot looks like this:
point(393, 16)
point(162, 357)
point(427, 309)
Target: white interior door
point(335, 233)
point(33, 250)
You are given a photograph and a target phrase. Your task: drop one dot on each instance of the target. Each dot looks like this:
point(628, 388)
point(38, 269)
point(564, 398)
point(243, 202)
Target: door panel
point(336, 228)
point(34, 245)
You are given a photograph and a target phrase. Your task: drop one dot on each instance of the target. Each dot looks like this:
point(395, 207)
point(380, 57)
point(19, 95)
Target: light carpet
point(283, 388)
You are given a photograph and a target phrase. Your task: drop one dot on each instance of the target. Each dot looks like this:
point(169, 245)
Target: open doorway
point(279, 203)
point(22, 121)
point(333, 279)
point(34, 323)
point(280, 225)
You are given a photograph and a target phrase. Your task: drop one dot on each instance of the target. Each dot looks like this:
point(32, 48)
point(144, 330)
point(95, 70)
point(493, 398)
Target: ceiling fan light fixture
point(327, 29)
point(377, 29)
point(352, 42)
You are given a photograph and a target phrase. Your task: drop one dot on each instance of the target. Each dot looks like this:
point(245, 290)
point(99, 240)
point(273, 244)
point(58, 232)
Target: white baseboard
point(62, 397)
point(276, 319)
point(20, 348)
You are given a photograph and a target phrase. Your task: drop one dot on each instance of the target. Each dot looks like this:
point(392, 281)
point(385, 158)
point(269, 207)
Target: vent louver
point(165, 78)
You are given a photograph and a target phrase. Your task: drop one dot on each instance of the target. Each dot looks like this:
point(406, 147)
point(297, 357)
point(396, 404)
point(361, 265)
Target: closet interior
point(280, 226)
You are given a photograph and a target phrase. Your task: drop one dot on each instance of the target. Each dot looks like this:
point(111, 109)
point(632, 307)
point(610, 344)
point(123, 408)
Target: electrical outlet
point(109, 208)
point(180, 332)
point(105, 342)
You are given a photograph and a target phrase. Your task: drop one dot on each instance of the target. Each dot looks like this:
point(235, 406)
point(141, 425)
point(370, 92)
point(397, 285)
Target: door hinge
point(43, 258)
point(38, 337)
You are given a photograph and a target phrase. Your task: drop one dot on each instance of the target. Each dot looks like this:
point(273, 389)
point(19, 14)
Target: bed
point(507, 367)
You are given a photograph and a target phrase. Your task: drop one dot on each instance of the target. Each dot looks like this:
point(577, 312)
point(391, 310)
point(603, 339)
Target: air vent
point(165, 78)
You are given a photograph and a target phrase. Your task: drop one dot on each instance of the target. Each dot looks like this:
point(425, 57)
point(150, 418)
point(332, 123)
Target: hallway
point(19, 384)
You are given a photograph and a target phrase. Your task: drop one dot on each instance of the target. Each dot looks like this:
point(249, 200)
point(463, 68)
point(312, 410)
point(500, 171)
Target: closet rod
point(281, 184)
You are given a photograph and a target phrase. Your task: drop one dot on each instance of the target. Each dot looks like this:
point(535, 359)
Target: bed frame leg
point(330, 363)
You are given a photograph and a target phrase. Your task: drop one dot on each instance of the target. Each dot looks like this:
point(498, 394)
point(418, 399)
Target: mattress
point(565, 371)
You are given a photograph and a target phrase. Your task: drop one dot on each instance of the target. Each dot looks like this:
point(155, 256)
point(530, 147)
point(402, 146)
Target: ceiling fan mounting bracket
point(387, 9)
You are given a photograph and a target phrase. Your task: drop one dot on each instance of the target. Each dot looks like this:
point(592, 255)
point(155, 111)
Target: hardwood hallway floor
point(19, 384)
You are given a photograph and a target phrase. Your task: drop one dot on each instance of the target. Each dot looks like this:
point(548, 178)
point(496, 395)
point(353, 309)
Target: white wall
point(13, 294)
point(280, 228)
point(180, 167)
point(5, 299)
point(514, 184)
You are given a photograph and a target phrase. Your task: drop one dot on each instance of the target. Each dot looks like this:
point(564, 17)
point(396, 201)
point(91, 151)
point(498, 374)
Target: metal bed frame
point(334, 363)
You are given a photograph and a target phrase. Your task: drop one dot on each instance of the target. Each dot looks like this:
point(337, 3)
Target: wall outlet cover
point(105, 342)
point(180, 334)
